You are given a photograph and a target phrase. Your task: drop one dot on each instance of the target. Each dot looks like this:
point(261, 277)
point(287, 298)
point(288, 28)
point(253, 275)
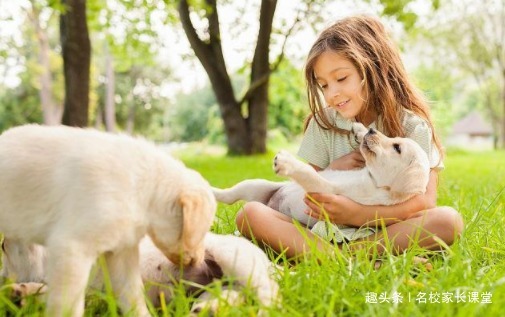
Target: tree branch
point(196, 43)
point(275, 65)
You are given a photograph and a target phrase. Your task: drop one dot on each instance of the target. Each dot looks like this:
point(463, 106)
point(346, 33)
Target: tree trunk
point(245, 133)
point(76, 51)
point(99, 118)
point(260, 72)
point(130, 119)
point(210, 55)
point(110, 109)
point(51, 112)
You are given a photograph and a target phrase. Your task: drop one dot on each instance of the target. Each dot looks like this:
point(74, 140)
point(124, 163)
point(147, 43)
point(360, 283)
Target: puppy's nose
point(371, 131)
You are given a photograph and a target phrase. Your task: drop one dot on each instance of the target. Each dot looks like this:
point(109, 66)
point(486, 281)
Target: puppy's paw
point(285, 164)
point(359, 131)
point(210, 304)
point(20, 291)
point(27, 289)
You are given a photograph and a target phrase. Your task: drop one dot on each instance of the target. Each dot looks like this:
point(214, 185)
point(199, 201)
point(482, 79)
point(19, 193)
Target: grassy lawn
point(473, 183)
point(341, 285)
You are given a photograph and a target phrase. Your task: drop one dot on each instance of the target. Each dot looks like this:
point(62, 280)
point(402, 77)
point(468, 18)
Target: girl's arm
point(342, 210)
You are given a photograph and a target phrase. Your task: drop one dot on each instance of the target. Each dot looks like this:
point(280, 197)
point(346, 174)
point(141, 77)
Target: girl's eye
point(323, 86)
point(342, 79)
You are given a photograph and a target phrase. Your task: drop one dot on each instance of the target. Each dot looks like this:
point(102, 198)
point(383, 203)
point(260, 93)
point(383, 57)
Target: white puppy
point(226, 256)
point(81, 193)
point(396, 169)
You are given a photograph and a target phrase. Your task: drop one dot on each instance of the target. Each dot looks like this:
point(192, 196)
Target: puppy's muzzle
point(370, 141)
point(187, 258)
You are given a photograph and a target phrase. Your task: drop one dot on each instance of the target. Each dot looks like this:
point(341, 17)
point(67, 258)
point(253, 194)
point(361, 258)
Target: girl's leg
point(275, 229)
point(444, 223)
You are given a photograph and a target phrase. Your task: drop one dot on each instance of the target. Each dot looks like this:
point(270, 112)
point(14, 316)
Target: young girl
point(354, 73)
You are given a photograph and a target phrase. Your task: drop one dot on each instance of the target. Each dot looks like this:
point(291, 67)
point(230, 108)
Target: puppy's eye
point(397, 148)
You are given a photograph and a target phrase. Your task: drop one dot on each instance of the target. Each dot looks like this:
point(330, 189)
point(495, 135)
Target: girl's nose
point(334, 94)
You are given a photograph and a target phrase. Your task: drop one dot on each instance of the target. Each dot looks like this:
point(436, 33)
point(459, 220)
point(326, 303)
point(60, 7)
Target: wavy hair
point(363, 40)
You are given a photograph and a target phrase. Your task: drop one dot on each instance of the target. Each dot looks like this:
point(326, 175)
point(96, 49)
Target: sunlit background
point(454, 50)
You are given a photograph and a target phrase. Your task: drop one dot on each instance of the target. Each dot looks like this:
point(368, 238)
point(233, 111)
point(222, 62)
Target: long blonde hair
point(363, 40)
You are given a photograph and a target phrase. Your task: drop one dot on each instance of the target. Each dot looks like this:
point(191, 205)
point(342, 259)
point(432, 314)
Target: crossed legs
point(278, 231)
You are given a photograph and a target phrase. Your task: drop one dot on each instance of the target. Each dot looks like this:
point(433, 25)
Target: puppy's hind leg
point(259, 190)
point(124, 271)
point(68, 267)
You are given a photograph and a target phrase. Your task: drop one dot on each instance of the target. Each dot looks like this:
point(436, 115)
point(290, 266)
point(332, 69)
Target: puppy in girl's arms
point(395, 170)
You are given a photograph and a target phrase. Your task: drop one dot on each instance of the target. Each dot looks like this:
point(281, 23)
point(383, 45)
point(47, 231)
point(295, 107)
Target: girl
point(354, 73)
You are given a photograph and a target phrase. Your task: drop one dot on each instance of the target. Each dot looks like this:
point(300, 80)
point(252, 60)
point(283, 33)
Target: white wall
point(467, 142)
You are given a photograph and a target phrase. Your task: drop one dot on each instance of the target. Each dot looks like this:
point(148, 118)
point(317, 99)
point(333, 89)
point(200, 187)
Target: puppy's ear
point(198, 212)
point(413, 180)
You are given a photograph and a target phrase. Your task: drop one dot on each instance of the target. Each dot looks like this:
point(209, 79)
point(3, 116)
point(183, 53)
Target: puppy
point(81, 193)
point(225, 256)
point(395, 170)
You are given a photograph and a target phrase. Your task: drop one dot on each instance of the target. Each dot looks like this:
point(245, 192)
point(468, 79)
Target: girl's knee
point(239, 218)
point(452, 219)
point(447, 223)
point(246, 217)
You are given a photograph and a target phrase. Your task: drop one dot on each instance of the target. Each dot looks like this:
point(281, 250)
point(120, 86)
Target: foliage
point(288, 102)
point(440, 91)
point(192, 117)
point(139, 100)
point(19, 106)
point(403, 12)
point(133, 45)
point(195, 116)
point(468, 37)
point(128, 29)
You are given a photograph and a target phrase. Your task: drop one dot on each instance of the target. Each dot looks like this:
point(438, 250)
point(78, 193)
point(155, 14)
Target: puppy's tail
point(259, 190)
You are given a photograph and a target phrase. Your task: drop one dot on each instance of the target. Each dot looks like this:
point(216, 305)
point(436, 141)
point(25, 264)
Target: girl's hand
point(337, 208)
point(350, 161)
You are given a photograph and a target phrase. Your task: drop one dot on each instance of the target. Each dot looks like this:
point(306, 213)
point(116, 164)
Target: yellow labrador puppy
point(81, 193)
point(226, 256)
point(395, 170)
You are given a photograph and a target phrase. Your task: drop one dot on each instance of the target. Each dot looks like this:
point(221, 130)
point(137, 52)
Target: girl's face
point(341, 84)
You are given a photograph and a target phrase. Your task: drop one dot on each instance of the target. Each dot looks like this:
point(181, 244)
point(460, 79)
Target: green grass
point(473, 183)
point(338, 285)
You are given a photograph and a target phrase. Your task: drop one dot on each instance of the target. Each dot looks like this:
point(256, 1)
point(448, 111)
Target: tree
point(76, 52)
point(470, 35)
point(37, 96)
point(245, 118)
point(288, 102)
point(52, 111)
point(126, 41)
